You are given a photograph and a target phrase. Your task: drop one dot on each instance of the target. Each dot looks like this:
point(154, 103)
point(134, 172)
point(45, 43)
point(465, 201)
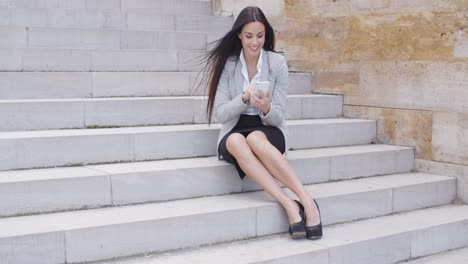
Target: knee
point(257, 140)
point(235, 143)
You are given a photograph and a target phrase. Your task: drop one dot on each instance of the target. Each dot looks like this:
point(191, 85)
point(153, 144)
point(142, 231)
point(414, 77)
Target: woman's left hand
point(261, 101)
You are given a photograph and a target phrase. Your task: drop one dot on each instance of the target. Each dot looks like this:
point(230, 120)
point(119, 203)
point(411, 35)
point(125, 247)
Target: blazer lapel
point(265, 72)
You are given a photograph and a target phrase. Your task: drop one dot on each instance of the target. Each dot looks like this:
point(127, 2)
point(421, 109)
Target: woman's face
point(252, 37)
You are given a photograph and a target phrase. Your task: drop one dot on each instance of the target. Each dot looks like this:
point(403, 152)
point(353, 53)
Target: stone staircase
point(105, 156)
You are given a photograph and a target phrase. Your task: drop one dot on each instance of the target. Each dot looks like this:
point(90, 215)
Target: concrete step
point(84, 60)
point(48, 148)
point(76, 38)
point(19, 115)
point(140, 19)
point(124, 231)
point(60, 189)
point(383, 240)
point(102, 13)
point(55, 85)
point(458, 256)
point(162, 6)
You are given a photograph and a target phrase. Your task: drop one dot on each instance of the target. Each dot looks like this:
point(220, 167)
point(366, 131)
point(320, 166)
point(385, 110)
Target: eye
point(260, 36)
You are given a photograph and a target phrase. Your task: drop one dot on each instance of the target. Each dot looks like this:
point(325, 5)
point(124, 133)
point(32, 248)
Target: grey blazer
point(228, 104)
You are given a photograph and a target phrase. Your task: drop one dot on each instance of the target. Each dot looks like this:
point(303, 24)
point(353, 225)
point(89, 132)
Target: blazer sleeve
point(226, 108)
point(276, 115)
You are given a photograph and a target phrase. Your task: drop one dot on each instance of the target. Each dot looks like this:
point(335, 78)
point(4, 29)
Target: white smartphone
point(261, 86)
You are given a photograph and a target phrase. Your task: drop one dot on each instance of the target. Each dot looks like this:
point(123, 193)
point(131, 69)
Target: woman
point(253, 136)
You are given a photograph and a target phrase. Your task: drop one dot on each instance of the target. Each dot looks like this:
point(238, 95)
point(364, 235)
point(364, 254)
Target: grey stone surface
point(366, 241)
point(4, 16)
point(81, 18)
point(185, 7)
point(390, 249)
point(138, 111)
point(61, 147)
point(330, 105)
point(196, 142)
point(79, 113)
point(415, 197)
point(13, 37)
point(425, 190)
point(239, 216)
point(34, 3)
point(56, 60)
point(458, 171)
point(126, 60)
point(140, 84)
point(300, 83)
point(441, 238)
point(37, 196)
point(133, 39)
point(329, 133)
point(141, 4)
point(36, 17)
point(148, 20)
point(458, 256)
point(103, 4)
point(141, 182)
point(18, 85)
point(48, 151)
point(35, 115)
point(11, 60)
point(73, 38)
point(161, 185)
point(46, 248)
point(368, 164)
point(9, 155)
point(203, 23)
point(164, 234)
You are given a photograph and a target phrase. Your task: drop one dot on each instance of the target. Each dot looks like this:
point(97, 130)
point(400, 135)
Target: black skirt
point(246, 125)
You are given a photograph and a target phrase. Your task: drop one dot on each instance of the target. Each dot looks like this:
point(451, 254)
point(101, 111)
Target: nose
point(256, 41)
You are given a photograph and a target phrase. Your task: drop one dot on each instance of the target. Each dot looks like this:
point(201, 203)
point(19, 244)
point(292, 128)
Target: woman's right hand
point(247, 93)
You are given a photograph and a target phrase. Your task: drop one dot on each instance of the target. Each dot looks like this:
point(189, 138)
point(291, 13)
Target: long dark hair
point(231, 45)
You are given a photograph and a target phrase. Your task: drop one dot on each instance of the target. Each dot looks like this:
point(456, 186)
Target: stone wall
point(403, 63)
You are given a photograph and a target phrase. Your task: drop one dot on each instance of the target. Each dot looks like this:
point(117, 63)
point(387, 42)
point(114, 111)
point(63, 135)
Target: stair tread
point(458, 256)
point(336, 236)
point(157, 165)
point(139, 98)
point(150, 129)
point(54, 222)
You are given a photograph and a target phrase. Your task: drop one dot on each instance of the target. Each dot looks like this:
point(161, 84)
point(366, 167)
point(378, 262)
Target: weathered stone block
point(450, 137)
point(397, 126)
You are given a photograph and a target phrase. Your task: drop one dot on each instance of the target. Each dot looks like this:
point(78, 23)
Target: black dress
point(246, 125)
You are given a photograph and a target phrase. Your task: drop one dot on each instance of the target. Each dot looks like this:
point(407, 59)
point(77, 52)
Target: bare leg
point(280, 168)
point(238, 147)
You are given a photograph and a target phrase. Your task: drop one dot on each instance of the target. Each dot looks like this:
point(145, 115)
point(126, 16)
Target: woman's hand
point(261, 101)
point(247, 94)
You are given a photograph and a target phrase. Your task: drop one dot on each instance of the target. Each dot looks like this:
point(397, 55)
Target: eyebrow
point(252, 33)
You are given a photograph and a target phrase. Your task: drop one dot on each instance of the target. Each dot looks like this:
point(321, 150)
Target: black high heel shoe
point(298, 230)
point(315, 232)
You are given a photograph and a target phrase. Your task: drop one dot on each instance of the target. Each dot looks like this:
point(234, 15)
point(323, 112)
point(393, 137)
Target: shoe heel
point(298, 230)
point(315, 232)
